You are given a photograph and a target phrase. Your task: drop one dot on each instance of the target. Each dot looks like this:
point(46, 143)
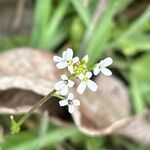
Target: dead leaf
point(105, 110)
point(26, 75)
point(138, 128)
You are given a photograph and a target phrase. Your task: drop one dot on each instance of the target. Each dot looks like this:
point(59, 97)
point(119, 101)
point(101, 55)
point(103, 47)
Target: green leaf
point(81, 10)
point(140, 81)
point(140, 68)
point(136, 43)
point(41, 16)
point(15, 128)
point(135, 28)
point(53, 25)
point(44, 123)
point(94, 143)
point(138, 101)
point(24, 141)
point(102, 33)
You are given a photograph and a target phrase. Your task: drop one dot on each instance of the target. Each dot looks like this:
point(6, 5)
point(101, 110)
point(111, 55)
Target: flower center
point(85, 78)
point(69, 62)
point(80, 68)
point(66, 81)
point(70, 102)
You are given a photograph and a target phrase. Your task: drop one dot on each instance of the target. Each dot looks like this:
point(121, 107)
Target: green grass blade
point(81, 10)
point(53, 25)
point(30, 142)
point(94, 143)
point(102, 33)
point(136, 25)
point(138, 102)
point(136, 43)
point(40, 19)
point(134, 29)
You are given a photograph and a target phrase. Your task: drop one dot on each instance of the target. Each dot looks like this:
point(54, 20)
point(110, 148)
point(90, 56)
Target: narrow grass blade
point(28, 141)
point(81, 10)
point(41, 16)
point(53, 25)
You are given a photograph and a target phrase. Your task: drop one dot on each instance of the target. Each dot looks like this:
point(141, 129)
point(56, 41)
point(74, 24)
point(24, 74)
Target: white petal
point(76, 102)
point(89, 74)
point(59, 85)
point(106, 62)
point(70, 96)
point(71, 108)
point(64, 77)
point(96, 70)
point(106, 71)
point(63, 102)
point(70, 68)
point(61, 65)
point(69, 53)
point(75, 59)
point(81, 88)
point(81, 76)
point(64, 55)
point(70, 83)
point(64, 90)
point(57, 59)
point(92, 85)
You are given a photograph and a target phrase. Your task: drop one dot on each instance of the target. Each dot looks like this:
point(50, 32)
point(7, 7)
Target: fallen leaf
point(26, 75)
point(138, 128)
point(105, 110)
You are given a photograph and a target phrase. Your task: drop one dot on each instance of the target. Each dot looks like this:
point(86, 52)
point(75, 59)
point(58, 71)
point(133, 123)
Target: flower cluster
point(78, 69)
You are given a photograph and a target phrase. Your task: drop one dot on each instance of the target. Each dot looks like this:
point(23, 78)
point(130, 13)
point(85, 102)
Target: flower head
point(66, 60)
point(85, 81)
point(62, 86)
point(71, 102)
point(101, 67)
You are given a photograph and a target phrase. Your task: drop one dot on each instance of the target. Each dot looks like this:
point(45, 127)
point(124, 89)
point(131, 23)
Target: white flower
point(72, 103)
point(66, 60)
point(85, 81)
point(101, 67)
point(63, 85)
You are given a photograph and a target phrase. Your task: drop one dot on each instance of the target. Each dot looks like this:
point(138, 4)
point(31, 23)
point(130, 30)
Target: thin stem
point(38, 104)
point(58, 96)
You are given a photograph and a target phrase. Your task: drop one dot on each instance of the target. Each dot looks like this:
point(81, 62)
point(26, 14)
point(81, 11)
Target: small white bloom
point(71, 102)
point(101, 67)
point(63, 85)
point(85, 81)
point(66, 60)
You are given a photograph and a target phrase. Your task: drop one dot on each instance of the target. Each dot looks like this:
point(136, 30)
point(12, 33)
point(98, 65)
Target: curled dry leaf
point(107, 111)
point(138, 128)
point(103, 111)
point(26, 75)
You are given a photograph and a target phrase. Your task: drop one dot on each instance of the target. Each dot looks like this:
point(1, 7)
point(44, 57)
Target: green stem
point(38, 104)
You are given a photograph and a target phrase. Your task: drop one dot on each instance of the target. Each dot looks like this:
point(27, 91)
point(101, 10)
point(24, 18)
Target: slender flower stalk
point(37, 105)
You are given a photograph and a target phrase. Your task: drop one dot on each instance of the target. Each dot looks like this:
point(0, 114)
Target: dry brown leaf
point(138, 128)
point(105, 110)
point(26, 75)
